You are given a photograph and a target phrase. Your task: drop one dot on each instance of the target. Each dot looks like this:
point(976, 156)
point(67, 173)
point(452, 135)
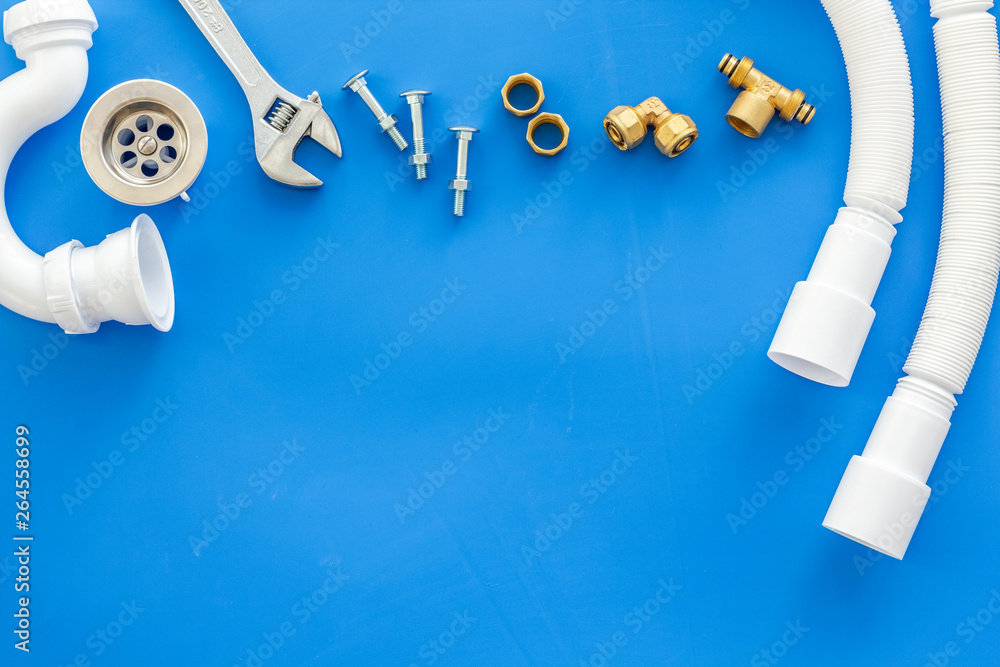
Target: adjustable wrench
point(281, 120)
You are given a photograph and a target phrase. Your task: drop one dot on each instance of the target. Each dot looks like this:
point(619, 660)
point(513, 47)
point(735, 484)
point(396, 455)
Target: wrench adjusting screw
point(386, 121)
point(460, 184)
point(420, 158)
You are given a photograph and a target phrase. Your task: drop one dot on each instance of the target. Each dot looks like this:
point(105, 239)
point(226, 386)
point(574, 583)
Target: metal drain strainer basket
point(144, 142)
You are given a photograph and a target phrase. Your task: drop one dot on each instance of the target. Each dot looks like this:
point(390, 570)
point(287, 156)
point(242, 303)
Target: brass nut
point(762, 96)
point(528, 80)
point(552, 119)
point(624, 127)
point(673, 133)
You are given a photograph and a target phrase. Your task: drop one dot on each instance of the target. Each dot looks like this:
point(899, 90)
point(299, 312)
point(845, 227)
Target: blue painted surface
point(509, 436)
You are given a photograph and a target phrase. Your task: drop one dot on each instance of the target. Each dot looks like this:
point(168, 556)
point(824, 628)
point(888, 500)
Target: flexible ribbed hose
point(884, 491)
point(878, 75)
point(965, 278)
point(829, 315)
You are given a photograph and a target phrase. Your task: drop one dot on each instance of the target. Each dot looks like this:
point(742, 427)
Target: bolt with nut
point(386, 121)
point(420, 158)
point(460, 184)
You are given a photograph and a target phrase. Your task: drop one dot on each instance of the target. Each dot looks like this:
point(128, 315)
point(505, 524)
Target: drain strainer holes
point(165, 132)
point(144, 142)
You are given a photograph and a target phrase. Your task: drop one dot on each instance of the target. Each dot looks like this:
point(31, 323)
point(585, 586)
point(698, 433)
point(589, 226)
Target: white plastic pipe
point(884, 491)
point(127, 276)
point(829, 315)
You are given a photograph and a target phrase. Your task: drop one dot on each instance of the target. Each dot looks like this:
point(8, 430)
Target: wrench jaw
point(276, 148)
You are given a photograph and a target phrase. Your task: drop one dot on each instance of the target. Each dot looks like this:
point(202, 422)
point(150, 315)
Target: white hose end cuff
point(884, 491)
point(34, 23)
point(126, 278)
point(877, 506)
point(829, 315)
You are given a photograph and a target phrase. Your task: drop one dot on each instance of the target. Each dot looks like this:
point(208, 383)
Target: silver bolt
point(460, 184)
point(386, 121)
point(420, 158)
point(147, 145)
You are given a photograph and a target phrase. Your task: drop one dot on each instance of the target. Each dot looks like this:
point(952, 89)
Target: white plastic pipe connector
point(829, 315)
point(883, 492)
point(127, 276)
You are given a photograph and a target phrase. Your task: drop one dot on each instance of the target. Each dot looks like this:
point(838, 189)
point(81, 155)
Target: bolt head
point(387, 122)
point(415, 96)
point(423, 158)
point(146, 145)
point(459, 184)
point(356, 82)
point(463, 132)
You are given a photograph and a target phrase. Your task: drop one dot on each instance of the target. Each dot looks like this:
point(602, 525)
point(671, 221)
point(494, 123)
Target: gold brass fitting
point(754, 107)
point(674, 132)
point(523, 79)
point(551, 119)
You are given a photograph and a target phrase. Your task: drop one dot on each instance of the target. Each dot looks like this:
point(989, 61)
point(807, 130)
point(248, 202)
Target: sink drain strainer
point(144, 142)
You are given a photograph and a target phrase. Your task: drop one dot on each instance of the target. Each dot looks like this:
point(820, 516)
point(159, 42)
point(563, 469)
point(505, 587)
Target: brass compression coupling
point(674, 132)
point(755, 106)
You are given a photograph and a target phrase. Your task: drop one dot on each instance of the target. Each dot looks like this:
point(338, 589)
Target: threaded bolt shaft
point(419, 149)
point(397, 138)
point(459, 209)
point(461, 182)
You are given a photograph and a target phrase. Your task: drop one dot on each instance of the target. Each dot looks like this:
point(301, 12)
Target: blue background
point(525, 284)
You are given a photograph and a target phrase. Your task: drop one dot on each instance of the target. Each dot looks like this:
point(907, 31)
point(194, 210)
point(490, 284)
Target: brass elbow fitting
point(754, 107)
point(626, 127)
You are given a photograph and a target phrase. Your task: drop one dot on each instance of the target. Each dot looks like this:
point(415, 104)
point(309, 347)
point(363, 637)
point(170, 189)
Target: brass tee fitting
point(755, 106)
point(674, 133)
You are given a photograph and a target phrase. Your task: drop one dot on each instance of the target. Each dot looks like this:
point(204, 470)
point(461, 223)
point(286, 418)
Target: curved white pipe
point(884, 491)
point(829, 315)
point(127, 276)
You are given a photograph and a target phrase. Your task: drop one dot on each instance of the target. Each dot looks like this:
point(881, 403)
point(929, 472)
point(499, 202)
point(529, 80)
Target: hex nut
point(528, 80)
point(624, 127)
point(459, 184)
point(551, 119)
point(423, 158)
point(675, 135)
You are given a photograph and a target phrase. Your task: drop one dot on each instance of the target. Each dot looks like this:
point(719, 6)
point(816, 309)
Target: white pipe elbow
point(127, 276)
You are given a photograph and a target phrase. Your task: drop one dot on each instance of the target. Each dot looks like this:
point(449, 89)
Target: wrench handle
point(218, 28)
